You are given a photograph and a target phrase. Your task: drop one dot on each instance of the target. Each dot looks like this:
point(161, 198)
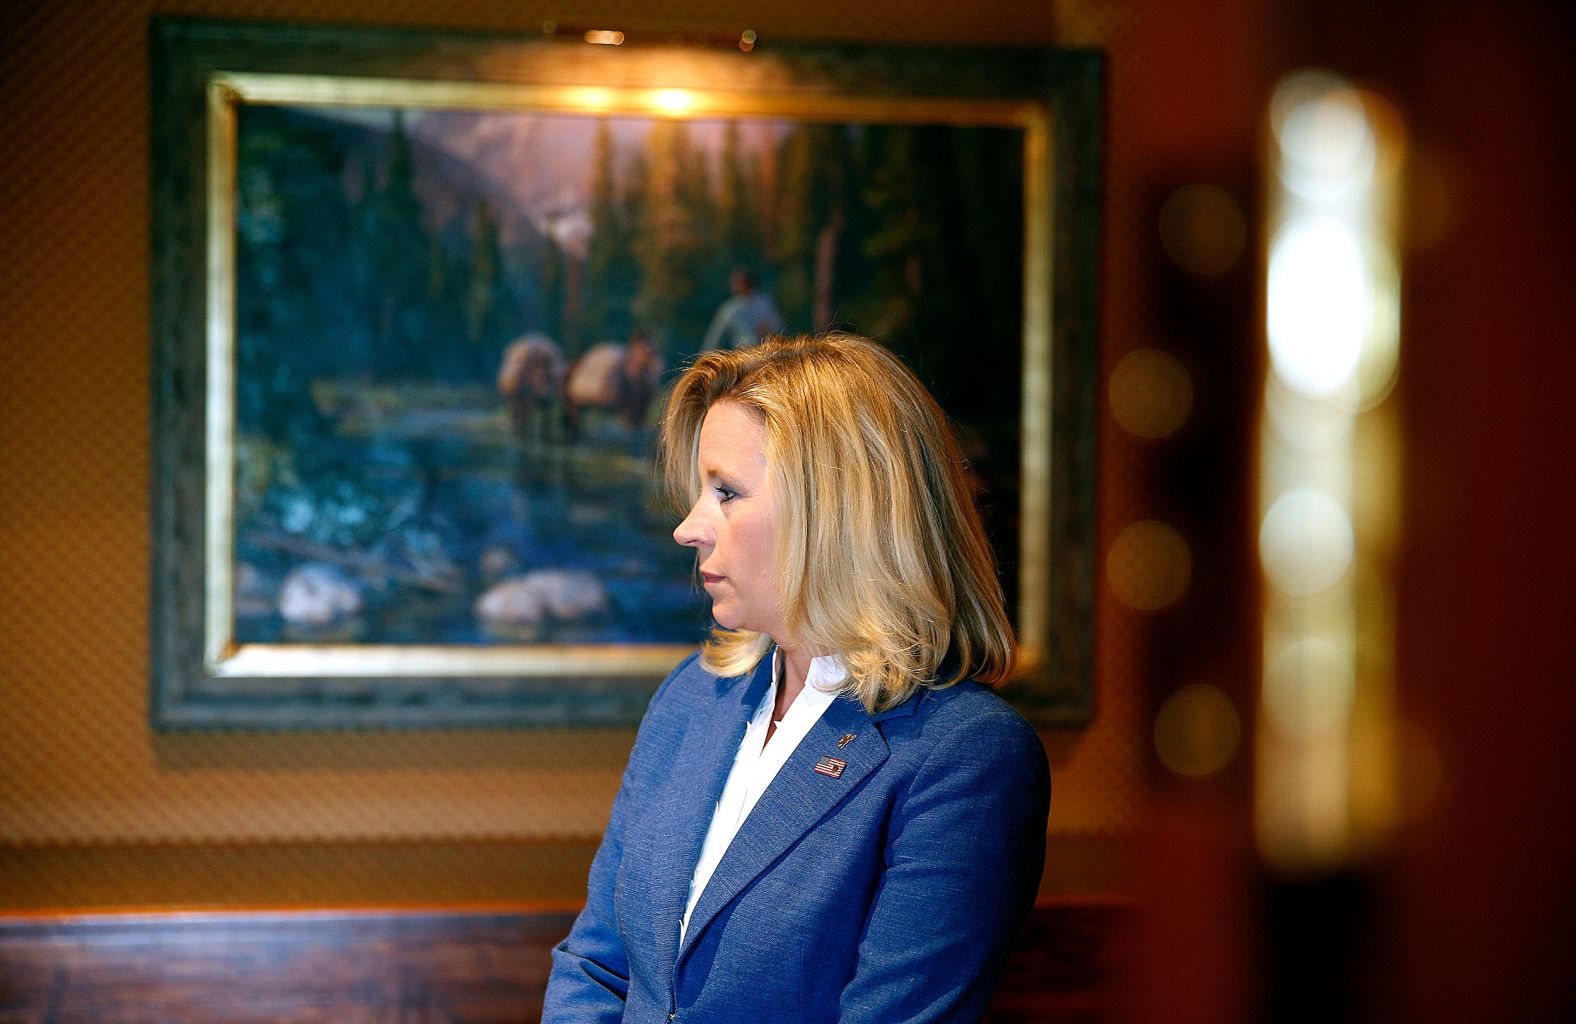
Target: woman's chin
point(727, 619)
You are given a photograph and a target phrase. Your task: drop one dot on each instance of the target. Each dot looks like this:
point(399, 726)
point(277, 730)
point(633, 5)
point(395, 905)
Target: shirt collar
point(826, 674)
point(822, 683)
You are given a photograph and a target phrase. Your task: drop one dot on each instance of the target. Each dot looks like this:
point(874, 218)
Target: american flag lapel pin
point(848, 738)
point(831, 766)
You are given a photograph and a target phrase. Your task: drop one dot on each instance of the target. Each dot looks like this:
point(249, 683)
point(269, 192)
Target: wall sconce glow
point(604, 37)
point(591, 97)
point(1324, 769)
point(1318, 304)
point(673, 101)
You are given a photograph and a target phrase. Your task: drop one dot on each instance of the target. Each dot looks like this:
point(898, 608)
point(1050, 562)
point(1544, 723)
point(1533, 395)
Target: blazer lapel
point(798, 798)
point(710, 745)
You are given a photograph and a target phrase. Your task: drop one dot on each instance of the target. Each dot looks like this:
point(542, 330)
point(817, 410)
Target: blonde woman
point(827, 816)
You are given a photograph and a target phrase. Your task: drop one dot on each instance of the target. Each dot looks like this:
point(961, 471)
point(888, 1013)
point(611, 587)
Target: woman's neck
point(795, 663)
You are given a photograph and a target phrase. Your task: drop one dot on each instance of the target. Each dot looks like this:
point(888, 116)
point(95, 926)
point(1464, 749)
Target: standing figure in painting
point(827, 815)
point(531, 380)
point(621, 379)
point(744, 318)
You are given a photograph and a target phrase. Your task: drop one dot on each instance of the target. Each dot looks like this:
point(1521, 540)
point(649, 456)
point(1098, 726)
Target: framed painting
point(417, 297)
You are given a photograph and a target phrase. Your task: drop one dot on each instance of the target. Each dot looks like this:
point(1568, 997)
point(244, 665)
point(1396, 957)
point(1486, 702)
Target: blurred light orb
point(1197, 731)
point(1305, 542)
point(1318, 305)
point(1326, 142)
point(1203, 229)
point(1151, 393)
point(1308, 689)
point(1148, 566)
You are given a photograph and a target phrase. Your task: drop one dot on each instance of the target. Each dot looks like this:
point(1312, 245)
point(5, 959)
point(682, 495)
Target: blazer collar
point(797, 799)
point(704, 759)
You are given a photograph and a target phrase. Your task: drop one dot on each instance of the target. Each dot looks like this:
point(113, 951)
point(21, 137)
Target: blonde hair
point(885, 560)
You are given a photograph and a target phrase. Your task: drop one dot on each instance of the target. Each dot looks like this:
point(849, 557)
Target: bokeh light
point(1197, 730)
point(1327, 148)
point(1327, 480)
point(1308, 688)
point(1148, 566)
point(1305, 542)
point(1203, 229)
point(1151, 393)
point(1318, 304)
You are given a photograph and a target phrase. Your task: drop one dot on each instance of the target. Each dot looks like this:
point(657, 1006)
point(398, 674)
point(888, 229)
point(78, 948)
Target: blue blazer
point(885, 890)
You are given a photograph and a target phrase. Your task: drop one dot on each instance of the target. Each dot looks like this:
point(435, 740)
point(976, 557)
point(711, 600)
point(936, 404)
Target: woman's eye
point(726, 494)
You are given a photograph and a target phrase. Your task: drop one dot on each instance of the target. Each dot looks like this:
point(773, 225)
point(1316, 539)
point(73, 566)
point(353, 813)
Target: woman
point(825, 816)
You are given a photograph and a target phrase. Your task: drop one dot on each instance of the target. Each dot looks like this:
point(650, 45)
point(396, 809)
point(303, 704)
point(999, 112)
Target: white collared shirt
point(757, 763)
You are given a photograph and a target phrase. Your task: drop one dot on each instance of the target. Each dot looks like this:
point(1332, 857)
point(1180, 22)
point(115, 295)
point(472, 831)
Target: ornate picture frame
point(328, 549)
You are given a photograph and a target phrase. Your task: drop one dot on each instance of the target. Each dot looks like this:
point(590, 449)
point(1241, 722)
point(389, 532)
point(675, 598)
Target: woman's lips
point(706, 578)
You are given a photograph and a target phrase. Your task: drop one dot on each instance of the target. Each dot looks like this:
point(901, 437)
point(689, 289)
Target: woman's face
point(733, 524)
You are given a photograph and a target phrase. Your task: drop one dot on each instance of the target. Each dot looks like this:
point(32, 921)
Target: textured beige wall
point(79, 768)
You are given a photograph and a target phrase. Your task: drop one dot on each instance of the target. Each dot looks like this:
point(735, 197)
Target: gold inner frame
point(223, 657)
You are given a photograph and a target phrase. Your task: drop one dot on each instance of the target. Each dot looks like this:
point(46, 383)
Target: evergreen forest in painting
point(454, 332)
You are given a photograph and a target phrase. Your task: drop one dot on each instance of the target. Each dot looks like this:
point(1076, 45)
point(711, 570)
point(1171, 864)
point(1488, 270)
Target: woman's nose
point(691, 532)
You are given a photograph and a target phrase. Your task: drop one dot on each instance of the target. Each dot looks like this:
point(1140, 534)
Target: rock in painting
point(562, 594)
point(317, 594)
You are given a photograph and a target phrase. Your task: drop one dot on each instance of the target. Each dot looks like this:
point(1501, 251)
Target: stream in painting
point(416, 514)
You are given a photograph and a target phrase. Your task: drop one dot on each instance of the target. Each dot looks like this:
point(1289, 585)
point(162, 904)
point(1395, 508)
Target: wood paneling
point(406, 967)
